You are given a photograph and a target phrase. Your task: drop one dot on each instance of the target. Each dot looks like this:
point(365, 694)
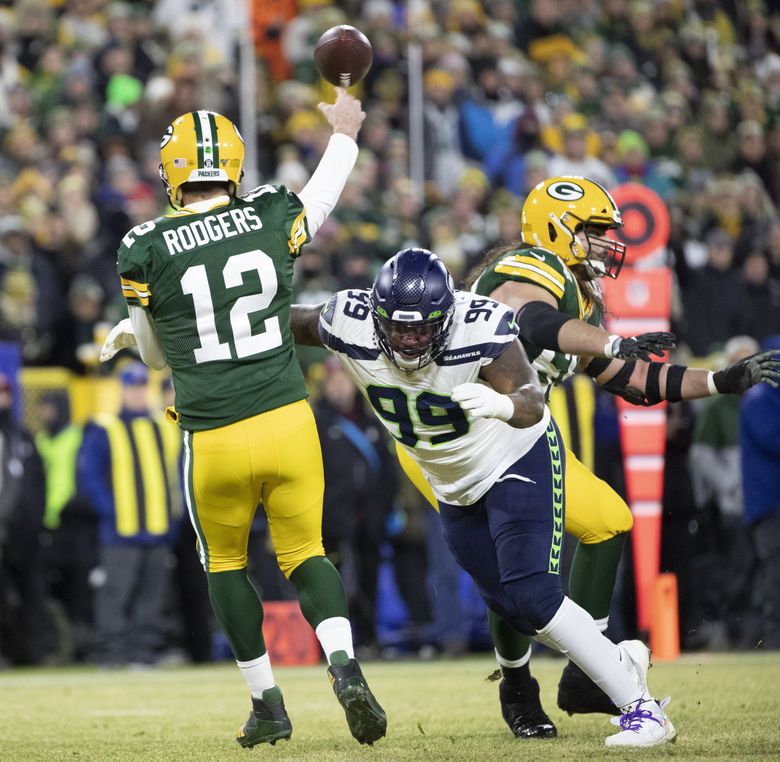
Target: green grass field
point(724, 706)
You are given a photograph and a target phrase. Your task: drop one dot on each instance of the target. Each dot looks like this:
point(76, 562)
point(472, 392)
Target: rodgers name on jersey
point(460, 458)
point(543, 268)
point(218, 285)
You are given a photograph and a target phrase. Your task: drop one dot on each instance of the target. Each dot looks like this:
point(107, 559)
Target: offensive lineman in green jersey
point(208, 289)
point(551, 281)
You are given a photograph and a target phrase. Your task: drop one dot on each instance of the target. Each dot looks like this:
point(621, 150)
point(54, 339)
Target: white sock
point(258, 674)
point(510, 664)
point(335, 634)
point(573, 632)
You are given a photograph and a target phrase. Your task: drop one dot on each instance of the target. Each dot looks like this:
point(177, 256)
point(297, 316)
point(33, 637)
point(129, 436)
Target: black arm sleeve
point(540, 323)
point(653, 383)
point(597, 366)
point(674, 378)
point(618, 384)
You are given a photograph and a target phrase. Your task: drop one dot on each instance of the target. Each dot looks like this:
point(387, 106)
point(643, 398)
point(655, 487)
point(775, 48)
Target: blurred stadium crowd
point(682, 96)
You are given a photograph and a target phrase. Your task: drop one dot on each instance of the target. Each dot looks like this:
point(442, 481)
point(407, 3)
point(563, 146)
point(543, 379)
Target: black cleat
point(522, 710)
point(578, 694)
point(268, 721)
point(366, 719)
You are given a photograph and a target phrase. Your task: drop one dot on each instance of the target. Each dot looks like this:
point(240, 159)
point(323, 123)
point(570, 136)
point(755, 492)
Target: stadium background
point(469, 104)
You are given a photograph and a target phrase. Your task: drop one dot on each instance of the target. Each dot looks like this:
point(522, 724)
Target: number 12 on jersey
point(195, 283)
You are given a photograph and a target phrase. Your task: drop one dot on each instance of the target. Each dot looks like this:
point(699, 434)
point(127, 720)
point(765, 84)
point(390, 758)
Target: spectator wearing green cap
point(636, 166)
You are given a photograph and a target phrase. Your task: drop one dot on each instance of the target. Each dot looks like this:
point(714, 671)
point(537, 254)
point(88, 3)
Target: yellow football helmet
point(199, 147)
point(560, 207)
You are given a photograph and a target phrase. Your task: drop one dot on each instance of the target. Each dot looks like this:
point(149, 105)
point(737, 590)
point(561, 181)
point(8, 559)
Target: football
point(343, 55)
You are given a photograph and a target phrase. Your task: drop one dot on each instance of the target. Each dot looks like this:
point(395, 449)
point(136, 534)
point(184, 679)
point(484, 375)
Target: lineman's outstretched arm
point(647, 383)
point(544, 325)
point(304, 319)
point(513, 396)
point(321, 193)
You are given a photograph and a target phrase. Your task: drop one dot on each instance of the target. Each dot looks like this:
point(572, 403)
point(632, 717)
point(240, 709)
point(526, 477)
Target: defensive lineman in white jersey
point(461, 458)
point(444, 372)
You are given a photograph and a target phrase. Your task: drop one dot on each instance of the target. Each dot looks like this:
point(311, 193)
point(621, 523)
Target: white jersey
point(461, 459)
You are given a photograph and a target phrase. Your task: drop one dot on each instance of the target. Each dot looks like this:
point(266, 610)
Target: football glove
point(639, 347)
point(120, 337)
point(741, 375)
point(480, 401)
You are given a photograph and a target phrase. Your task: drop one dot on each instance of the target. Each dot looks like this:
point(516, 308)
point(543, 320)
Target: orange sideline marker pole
point(664, 619)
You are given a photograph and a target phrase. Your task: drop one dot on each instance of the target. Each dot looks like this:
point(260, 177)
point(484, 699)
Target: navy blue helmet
point(412, 302)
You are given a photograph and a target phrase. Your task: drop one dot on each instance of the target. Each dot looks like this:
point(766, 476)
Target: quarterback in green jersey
point(208, 289)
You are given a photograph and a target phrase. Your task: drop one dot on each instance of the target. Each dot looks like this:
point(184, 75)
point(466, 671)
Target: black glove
point(739, 377)
point(640, 347)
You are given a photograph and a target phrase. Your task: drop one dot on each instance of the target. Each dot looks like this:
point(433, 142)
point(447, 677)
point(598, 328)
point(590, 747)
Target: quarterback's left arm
point(120, 337)
point(513, 394)
point(137, 331)
point(146, 337)
point(134, 267)
point(304, 322)
point(647, 383)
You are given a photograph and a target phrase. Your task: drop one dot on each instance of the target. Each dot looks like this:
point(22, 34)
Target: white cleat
point(643, 723)
point(636, 656)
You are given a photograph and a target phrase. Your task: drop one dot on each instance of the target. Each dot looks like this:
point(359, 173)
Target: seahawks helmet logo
point(566, 191)
point(166, 137)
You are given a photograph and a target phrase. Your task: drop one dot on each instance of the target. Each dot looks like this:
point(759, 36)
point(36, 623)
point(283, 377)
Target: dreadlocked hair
point(589, 287)
point(488, 258)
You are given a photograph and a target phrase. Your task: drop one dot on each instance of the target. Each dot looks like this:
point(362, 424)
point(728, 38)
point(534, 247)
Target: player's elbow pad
point(540, 323)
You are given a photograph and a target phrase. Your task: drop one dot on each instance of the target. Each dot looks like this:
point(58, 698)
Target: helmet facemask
point(412, 303)
point(558, 209)
point(604, 256)
point(402, 339)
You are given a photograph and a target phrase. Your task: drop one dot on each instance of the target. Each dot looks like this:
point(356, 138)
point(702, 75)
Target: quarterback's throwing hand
point(121, 336)
point(345, 115)
point(740, 376)
point(639, 347)
point(480, 401)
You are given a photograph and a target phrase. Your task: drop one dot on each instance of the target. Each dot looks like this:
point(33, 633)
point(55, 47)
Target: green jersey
point(218, 284)
point(541, 267)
